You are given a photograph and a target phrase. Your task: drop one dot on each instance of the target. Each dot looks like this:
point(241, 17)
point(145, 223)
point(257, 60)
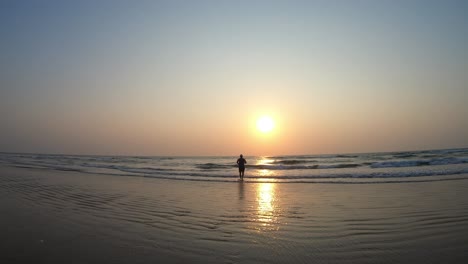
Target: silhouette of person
point(241, 164)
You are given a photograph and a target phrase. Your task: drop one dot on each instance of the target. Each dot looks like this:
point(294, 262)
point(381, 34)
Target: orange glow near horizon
point(285, 79)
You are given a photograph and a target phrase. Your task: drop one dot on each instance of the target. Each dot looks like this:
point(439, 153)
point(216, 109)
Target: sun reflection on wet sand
point(267, 207)
point(266, 198)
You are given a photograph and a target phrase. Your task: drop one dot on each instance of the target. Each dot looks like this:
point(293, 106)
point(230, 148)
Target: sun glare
point(265, 124)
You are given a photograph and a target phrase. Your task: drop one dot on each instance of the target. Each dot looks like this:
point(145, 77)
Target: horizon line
point(186, 156)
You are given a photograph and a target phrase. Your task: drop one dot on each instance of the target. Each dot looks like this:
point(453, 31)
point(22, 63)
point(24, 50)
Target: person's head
point(241, 155)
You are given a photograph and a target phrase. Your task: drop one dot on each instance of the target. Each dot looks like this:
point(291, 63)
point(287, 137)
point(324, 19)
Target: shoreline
point(98, 218)
point(277, 180)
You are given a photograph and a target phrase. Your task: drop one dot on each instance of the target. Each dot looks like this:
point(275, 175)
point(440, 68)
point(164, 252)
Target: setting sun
point(265, 124)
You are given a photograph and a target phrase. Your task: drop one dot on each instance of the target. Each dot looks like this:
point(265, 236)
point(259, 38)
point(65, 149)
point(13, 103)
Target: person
point(241, 164)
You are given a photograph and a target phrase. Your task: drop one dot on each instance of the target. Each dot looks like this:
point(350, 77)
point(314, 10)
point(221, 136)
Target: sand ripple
point(250, 222)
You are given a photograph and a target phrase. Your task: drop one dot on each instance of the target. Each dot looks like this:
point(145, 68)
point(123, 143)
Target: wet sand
point(68, 217)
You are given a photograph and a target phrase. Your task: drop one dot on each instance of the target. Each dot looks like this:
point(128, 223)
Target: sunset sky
point(193, 77)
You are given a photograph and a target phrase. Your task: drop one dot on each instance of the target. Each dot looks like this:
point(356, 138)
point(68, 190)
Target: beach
point(127, 126)
point(52, 216)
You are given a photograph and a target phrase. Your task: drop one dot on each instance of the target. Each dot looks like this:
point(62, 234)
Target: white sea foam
point(310, 168)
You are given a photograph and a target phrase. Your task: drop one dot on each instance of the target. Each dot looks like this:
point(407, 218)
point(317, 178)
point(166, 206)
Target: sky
point(192, 77)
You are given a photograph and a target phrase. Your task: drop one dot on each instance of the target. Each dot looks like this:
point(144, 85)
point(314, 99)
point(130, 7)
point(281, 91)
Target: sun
point(265, 124)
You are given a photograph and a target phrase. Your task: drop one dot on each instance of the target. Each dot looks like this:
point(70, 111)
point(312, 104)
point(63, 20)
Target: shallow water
point(411, 166)
point(56, 217)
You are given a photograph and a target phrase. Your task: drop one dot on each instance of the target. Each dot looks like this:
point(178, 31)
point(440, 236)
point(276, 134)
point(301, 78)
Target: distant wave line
point(174, 174)
point(325, 180)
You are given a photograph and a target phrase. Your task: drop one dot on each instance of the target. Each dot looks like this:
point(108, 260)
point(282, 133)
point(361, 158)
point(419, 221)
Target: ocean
point(408, 166)
point(399, 207)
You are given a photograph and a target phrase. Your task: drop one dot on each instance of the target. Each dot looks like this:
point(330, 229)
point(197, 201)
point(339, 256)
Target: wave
point(213, 166)
point(407, 174)
point(308, 180)
point(340, 166)
point(404, 155)
point(346, 156)
point(177, 174)
point(332, 179)
point(276, 166)
point(279, 165)
point(282, 169)
point(303, 167)
point(415, 163)
point(357, 178)
point(292, 161)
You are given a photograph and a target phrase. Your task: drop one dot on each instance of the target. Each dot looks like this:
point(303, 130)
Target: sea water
point(288, 209)
point(408, 166)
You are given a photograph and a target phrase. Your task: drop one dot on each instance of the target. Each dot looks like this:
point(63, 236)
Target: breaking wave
point(370, 167)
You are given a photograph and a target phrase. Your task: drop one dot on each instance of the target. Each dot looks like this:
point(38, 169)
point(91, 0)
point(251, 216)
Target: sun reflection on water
point(264, 172)
point(264, 161)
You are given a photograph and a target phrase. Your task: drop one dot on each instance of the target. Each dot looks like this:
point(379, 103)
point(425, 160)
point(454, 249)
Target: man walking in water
point(241, 163)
